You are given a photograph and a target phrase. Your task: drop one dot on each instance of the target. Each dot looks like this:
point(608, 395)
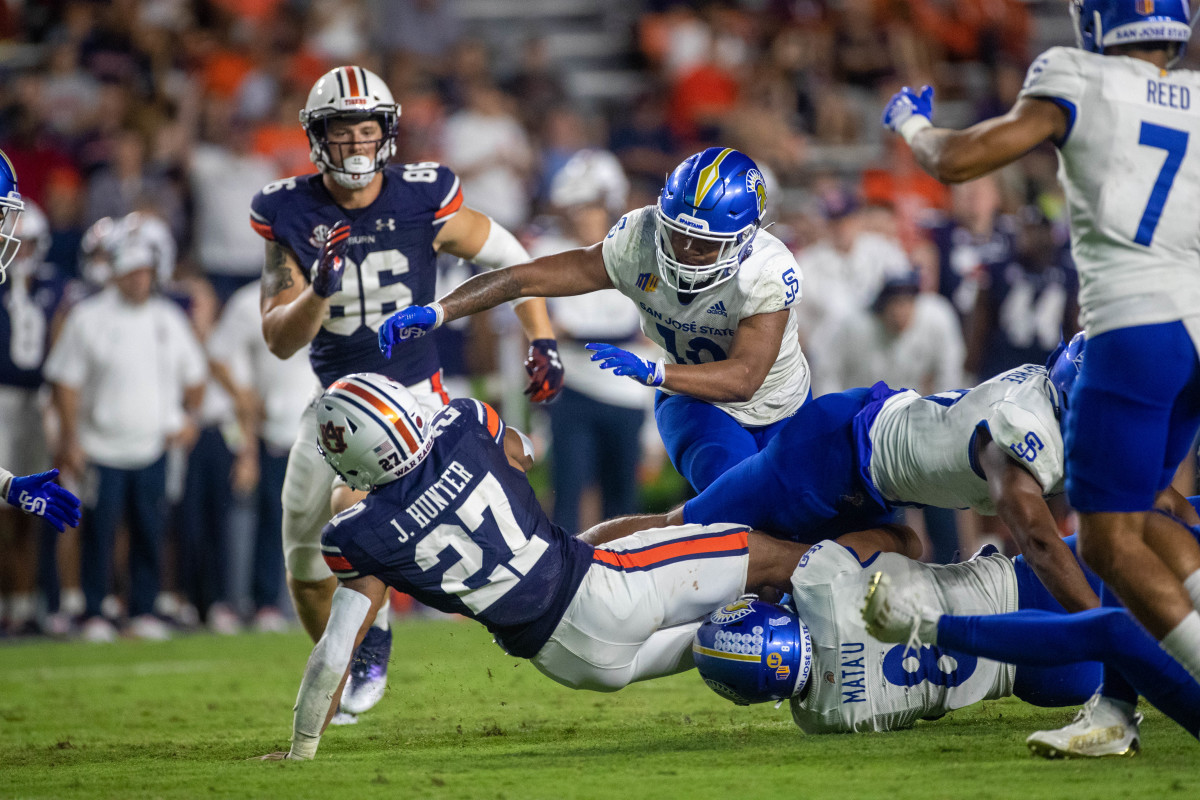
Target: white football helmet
point(152, 231)
point(591, 176)
point(33, 229)
point(97, 249)
point(371, 430)
point(356, 94)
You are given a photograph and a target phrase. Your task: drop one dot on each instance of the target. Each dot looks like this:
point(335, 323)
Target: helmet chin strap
point(356, 172)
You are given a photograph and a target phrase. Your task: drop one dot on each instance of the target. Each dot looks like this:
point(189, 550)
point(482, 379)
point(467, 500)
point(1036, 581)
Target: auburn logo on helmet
point(333, 438)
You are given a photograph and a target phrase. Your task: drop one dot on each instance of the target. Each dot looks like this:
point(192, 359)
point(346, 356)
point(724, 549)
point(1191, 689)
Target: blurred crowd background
point(166, 116)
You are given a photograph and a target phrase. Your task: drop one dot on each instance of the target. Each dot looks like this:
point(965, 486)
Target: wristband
point(439, 315)
point(912, 126)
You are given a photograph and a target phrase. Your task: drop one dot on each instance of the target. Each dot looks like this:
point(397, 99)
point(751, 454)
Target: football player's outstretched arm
point(956, 156)
point(479, 239)
point(1017, 496)
point(351, 614)
point(560, 275)
point(734, 380)
point(291, 311)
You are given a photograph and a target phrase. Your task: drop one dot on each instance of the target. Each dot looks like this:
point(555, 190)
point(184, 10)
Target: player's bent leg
point(701, 440)
point(633, 616)
point(312, 599)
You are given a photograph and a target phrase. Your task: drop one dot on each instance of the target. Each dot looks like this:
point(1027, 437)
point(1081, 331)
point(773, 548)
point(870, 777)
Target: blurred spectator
point(203, 513)
point(225, 175)
point(844, 271)
point(27, 303)
point(270, 396)
point(596, 422)
point(1026, 302)
point(492, 155)
point(126, 370)
point(907, 338)
point(128, 182)
point(973, 234)
point(643, 140)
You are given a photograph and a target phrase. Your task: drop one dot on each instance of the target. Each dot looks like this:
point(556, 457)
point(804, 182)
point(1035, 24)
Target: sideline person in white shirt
point(125, 371)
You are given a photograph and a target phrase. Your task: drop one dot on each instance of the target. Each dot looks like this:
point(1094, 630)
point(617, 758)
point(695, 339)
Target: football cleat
point(368, 672)
point(1101, 728)
point(343, 718)
point(893, 613)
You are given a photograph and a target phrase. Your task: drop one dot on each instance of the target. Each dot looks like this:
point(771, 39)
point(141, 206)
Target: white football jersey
point(858, 683)
point(923, 448)
point(702, 331)
point(1130, 168)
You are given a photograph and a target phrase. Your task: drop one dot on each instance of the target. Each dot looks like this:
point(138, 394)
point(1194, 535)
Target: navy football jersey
point(25, 314)
point(464, 533)
point(1029, 309)
point(390, 262)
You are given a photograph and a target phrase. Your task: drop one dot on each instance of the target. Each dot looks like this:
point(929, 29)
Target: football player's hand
point(331, 260)
point(545, 371)
point(41, 496)
point(409, 323)
point(906, 106)
point(623, 362)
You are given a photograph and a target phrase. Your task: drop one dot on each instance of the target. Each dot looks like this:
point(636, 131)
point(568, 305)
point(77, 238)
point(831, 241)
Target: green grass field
point(461, 719)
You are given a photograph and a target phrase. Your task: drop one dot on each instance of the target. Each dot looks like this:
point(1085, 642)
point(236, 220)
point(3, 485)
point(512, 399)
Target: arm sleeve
point(326, 666)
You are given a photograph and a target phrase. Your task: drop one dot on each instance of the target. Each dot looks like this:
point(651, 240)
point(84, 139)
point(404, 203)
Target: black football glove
point(545, 371)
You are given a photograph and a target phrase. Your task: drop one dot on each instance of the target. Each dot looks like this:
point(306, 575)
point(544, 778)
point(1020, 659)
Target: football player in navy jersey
point(28, 301)
point(452, 520)
point(346, 247)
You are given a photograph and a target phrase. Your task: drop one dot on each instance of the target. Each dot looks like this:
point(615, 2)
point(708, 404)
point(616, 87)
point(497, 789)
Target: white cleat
point(343, 718)
point(1101, 728)
point(894, 614)
point(98, 630)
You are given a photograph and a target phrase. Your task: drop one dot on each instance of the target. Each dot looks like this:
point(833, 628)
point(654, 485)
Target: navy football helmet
point(708, 212)
point(11, 207)
point(1105, 23)
point(1064, 363)
point(751, 651)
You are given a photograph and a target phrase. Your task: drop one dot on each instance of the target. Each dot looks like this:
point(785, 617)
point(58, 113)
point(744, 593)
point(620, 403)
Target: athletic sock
point(1183, 644)
point(1192, 584)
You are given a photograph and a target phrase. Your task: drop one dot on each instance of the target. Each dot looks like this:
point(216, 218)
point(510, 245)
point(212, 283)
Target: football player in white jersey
point(715, 293)
point(931, 639)
point(1123, 125)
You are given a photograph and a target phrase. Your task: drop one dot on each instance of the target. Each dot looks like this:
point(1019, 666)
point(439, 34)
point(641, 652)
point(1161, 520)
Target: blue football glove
point(623, 362)
point(409, 323)
point(327, 277)
point(545, 371)
point(904, 112)
point(41, 496)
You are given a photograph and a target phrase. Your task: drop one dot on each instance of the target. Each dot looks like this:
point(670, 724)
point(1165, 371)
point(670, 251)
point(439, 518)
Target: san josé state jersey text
point(464, 533)
point(390, 262)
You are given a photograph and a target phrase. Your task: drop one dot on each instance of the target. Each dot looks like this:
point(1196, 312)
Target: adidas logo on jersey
point(718, 308)
point(647, 282)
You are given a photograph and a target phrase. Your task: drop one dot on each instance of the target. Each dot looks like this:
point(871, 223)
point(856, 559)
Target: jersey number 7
point(1175, 142)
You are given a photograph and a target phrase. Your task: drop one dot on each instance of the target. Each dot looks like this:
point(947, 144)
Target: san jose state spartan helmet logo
point(751, 651)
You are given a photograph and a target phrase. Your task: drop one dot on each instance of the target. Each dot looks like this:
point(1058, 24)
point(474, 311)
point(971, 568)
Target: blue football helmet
point(1105, 23)
point(708, 211)
point(751, 651)
point(1064, 364)
point(11, 207)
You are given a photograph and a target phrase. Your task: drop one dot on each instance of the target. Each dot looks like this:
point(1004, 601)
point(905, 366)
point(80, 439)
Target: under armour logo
point(388, 223)
point(333, 438)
